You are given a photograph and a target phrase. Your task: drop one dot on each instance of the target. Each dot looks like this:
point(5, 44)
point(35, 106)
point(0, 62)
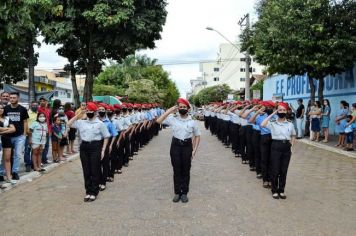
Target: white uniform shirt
point(281, 130)
point(119, 123)
point(127, 122)
point(234, 117)
point(89, 130)
point(182, 128)
point(243, 121)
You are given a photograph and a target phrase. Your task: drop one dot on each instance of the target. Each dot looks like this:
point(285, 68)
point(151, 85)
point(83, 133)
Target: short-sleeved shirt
point(118, 123)
point(299, 111)
point(327, 110)
point(110, 126)
point(234, 117)
point(91, 130)
point(17, 116)
point(281, 130)
point(39, 132)
point(182, 128)
point(127, 122)
point(260, 118)
point(47, 113)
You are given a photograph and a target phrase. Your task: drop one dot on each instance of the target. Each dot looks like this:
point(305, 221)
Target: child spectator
point(349, 132)
point(56, 138)
point(37, 140)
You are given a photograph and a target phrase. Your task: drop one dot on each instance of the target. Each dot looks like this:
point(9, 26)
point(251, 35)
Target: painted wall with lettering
point(336, 88)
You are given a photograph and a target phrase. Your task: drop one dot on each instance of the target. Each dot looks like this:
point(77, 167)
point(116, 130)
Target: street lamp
point(212, 29)
point(247, 59)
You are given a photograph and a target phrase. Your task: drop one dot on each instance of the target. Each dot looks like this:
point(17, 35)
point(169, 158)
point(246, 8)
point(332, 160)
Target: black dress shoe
point(28, 168)
point(275, 196)
point(2, 178)
point(86, 198)
point(282, 196)
point(176, 198)
point(184, 198)
point(15, 176)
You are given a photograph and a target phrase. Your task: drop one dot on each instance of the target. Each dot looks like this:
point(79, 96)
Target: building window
point(242, 59)
point(252, 69)
point(56, 93)
point(242, 79)
point(68, 95)
point(43, 89)
point(216, 79)
point(242, 69)
point(216, 69)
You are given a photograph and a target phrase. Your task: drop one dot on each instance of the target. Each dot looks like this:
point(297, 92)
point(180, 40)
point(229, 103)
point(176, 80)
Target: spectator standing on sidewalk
point(299, 118)
point(307, 119)
point(353, 121)
point(32, 113)
point(18, 116)
point(325, 119)
point(341, 122)
point(72, 131)
point(6, 128)
point(315, 115)
point(56, 138)
point(43, 108)
point(5, 98)
point(37, 140)
point(64, 129)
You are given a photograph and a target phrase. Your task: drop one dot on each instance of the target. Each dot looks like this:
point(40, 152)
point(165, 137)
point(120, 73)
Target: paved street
point(225, 198)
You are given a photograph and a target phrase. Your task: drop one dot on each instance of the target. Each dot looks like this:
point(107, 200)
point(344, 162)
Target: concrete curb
point(328, 148)
point(29, 177)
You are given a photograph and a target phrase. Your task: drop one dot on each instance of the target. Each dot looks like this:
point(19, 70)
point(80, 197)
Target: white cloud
point(184, 37)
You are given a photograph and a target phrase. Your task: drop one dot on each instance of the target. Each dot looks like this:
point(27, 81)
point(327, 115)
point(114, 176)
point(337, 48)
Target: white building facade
point(229, 68)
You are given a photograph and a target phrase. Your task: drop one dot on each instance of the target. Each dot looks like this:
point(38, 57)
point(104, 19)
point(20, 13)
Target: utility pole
point(245, 21)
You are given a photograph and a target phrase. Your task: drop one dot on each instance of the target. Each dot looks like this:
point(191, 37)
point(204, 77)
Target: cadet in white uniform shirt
point(94, 135)
point(283, 137)
point(185, 142)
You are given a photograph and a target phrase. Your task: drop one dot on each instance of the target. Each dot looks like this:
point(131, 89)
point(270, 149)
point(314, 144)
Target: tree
point(21, 23)
point(215, 93)
point(105, 90)
point(107, 29)
point(143, 90)
point(298, 37)
point(136, 68)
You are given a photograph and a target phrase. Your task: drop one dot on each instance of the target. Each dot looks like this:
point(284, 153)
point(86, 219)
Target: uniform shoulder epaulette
point(273, 120)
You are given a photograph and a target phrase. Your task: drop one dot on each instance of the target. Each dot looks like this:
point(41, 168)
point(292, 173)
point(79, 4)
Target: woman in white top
point(185, 142)
point(6, 128)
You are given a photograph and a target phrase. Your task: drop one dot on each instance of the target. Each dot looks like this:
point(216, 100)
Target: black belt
point(281, 141)
point(92, 142)
point(182, 142)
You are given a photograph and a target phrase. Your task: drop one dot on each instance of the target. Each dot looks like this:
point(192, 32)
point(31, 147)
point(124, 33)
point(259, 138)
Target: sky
point(184, 37)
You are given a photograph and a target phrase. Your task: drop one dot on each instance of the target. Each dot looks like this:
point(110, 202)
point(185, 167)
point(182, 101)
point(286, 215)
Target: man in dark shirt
point(300, 118)
point(18, 116)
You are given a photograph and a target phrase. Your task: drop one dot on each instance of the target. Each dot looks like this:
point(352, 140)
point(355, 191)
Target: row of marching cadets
point(110, 136)
point(260, 134)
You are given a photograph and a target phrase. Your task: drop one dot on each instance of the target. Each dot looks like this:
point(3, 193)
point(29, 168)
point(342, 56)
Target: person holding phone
point(185, 142)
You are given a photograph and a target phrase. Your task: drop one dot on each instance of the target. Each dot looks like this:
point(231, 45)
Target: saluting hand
point(173, 109)
point(261, 110)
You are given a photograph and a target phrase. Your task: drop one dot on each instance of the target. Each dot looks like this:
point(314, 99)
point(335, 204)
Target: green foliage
point(298, 37)
point(105, 29)
point(211, 94)
point(136, 71)
point(105, 90)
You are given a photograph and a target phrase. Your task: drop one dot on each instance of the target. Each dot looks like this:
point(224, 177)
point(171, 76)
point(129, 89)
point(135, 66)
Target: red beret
point(110, 108)
point(270, 103)
point(117, 106)
point(91, 106)
point(102, 105)
point(183, 101)
point(283, 104)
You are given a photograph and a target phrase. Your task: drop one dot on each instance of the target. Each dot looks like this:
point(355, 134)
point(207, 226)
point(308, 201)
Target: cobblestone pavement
point(225, 198)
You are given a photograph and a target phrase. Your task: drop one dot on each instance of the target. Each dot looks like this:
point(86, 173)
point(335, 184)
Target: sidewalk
point(29, 176)
point(330, 146)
